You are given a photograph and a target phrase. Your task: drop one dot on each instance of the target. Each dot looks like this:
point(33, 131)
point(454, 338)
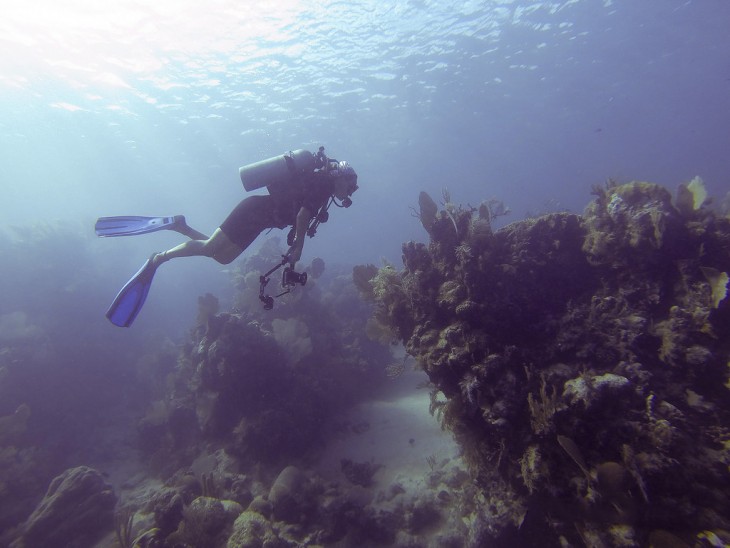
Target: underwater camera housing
point(289, 280)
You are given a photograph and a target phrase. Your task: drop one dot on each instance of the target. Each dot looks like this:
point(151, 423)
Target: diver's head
point(345, 180)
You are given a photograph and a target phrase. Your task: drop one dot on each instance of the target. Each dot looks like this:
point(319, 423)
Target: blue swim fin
point(131, 225)
point(131, 298)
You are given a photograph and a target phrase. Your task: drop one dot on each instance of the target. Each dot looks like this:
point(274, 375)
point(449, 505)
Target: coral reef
point(208, 307)
point(299, 508)
point(77, 508)
point(262, 382)
point(292, 335)
point(244, 408)
point(221, 494)
point(218, 416)
point(359, 473)
point(238, 385)
point(581, 363)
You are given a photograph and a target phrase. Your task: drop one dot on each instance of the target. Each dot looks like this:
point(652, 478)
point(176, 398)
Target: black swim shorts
point(249, 218)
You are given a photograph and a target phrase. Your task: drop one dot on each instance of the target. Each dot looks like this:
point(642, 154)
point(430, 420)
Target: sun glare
point(92, 43)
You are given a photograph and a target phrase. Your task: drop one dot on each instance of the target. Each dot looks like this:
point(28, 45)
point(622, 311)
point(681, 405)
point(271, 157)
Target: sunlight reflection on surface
point(86, 43)
point(272, 62)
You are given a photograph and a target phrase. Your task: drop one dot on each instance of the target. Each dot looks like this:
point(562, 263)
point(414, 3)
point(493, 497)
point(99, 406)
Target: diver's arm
point(301, 226)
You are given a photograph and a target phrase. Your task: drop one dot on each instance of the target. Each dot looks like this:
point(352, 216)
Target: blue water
point(147, 107)
point(150, 108)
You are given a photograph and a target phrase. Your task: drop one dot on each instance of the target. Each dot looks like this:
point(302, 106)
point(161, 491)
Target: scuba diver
point(301, 187)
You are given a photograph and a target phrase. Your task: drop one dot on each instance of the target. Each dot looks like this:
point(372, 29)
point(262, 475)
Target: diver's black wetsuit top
point(277, 210)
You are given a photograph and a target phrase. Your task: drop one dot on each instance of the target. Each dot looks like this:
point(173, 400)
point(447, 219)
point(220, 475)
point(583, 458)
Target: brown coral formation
point(581, 362)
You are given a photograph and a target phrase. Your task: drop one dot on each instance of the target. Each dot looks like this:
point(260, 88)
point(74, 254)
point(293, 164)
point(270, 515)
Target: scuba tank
point(277, 171)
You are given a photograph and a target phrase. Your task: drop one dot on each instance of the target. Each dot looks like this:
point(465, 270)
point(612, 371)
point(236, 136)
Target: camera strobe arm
point(264, 280)
point(289, 280)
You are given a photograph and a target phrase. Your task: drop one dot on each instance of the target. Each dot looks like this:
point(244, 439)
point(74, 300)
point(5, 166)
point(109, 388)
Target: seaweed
point(123, 522)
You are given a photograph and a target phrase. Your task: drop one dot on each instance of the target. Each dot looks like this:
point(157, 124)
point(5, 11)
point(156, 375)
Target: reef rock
point(289, 495)
point(581, 363)
point(251, 530)
point(634, 224)
point(78, 508)
point(427, 210)
point(206, 522)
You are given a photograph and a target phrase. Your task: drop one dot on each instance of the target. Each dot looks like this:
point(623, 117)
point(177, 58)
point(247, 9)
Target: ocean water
point(150, 108)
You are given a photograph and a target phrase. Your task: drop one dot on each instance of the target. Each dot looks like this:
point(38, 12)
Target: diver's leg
point(248, 219)
point(236, 233)
point(183, 228)
point(221, 248)
point(218, 246)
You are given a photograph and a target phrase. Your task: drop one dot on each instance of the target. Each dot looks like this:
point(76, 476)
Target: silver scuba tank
point(277, 171)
